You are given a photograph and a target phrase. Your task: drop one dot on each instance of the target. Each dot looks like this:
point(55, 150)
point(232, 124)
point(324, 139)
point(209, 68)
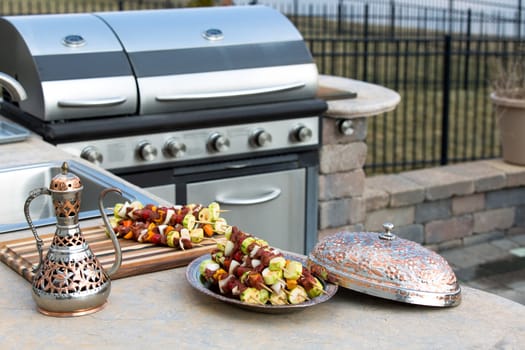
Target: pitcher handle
point(109, 228)
point(39, 243)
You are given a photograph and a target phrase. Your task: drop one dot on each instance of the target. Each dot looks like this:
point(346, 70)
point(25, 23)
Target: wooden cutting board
point(137, 258)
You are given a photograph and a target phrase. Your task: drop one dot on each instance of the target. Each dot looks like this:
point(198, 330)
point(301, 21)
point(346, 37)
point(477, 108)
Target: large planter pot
point(510, 114)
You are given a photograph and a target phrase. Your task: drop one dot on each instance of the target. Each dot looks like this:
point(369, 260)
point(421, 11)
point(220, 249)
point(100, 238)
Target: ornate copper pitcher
point(70, 281)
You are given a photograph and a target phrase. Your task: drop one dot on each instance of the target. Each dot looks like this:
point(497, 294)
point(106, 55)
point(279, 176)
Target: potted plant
point(508, 98)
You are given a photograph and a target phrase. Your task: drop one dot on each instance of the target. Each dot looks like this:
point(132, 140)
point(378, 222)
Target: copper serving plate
point(194, 278)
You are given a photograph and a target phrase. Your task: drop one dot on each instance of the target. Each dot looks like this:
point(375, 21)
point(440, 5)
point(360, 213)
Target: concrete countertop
point(156, 309)
point(162, 309)
point(371, 99)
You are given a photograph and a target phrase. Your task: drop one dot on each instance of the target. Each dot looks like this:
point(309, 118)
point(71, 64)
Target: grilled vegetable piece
point(297, 295)
point(214, 210)
point(293, 270)
point(271, 276)
point(250, 295)
point(316, 290)
point(278, 298)
point(197, 235)
point(277, 264)
point(204, 215)
point(189, 221)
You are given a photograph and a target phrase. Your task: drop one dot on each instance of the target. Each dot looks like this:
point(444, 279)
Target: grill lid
point(198, 58)
point(155, 61)
point(386, 266)
point(73, 68)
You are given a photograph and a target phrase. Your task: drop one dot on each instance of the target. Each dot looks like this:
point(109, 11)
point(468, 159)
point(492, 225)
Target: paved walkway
point(497, 266)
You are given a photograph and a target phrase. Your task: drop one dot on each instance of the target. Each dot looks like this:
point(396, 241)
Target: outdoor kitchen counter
point(371, 99)
point(156, 309)
point(161, 308)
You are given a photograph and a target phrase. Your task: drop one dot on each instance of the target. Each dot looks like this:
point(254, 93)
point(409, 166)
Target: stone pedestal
point(344, 151)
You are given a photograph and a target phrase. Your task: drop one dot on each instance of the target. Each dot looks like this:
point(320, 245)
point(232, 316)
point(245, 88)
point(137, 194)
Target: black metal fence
point(26, 7)
point(439, 57)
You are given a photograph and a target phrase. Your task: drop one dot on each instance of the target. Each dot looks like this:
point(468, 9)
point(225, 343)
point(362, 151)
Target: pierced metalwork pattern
point(67, 207)
point(71, 271)
point(396, 269)
point(67, 277)
point(70, 240)
point(62, 184)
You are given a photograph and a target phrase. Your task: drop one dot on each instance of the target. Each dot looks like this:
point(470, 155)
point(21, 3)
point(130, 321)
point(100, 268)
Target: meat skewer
point(259, 273)
point(175, 226)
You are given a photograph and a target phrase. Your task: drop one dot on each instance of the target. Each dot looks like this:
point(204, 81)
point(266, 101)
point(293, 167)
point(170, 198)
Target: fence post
point(467, 51)
point(392, 19)
point(365, 44)
point(450, 15)
point(295, 10)
point(518, 32)
point(446, 99)
point(339, 17)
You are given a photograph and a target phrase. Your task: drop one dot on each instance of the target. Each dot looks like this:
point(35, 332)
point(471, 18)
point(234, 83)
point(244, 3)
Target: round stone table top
point(371, 99)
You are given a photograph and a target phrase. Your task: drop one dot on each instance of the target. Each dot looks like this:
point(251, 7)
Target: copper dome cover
point(386, 266)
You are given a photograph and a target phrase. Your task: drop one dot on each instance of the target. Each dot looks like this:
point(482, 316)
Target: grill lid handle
point(265, 197)
point(101, 102)
point(13, 87)
point(234, 93)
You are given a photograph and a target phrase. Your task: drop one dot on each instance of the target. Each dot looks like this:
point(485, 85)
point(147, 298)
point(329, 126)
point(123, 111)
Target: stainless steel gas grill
point(196, 105)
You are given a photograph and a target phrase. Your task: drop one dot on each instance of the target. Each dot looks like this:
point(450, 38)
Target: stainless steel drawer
point(269, 205)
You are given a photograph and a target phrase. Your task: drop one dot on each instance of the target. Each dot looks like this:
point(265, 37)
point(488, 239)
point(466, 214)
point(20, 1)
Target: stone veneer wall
point(341, 178)
point(440, 207)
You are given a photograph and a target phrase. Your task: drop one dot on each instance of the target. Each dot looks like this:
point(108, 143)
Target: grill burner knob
point(218, 142)
point(260, 138)
point(92, 154)
point(345, 127)
point(146, 151)
point(174, 148)
point(301, 133)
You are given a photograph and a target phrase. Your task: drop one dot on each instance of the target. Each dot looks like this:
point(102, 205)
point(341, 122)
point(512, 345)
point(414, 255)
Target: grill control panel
point(197, 144)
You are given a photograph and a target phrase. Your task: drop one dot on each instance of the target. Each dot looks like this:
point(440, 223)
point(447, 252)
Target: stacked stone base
point(440, 207)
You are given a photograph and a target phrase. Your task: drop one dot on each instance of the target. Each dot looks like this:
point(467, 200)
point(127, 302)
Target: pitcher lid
point(65, 181)
point(386, 266)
